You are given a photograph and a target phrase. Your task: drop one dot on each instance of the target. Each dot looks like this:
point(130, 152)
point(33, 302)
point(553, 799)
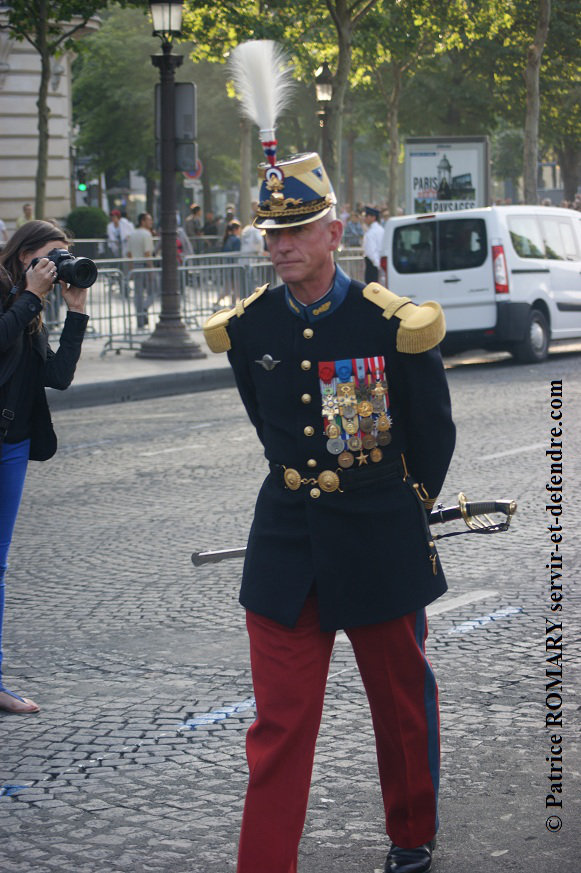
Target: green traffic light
point(81, 186)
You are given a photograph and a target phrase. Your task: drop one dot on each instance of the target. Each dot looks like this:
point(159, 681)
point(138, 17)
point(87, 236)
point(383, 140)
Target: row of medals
point(364, 420)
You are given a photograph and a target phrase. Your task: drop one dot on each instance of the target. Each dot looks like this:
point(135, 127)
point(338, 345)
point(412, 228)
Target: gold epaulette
point(216, 327)
point(422, 327)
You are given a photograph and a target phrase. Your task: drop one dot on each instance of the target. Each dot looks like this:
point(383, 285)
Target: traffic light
point(81, 180)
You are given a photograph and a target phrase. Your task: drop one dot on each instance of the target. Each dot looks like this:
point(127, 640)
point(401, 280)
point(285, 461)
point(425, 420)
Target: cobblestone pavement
point(136, 762)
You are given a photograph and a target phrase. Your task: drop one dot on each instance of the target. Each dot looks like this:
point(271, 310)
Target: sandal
point(17, 705)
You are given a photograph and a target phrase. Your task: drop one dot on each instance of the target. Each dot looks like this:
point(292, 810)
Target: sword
point(476, 516)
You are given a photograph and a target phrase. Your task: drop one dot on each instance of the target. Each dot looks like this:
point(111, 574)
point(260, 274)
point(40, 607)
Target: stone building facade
point(19, 84)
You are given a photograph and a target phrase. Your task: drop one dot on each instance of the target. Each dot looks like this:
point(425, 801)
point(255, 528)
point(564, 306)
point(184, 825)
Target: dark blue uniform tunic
point(364, 550)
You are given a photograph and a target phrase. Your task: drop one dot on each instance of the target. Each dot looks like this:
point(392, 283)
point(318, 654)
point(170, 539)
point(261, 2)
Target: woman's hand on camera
point(75, 298)
point(40, 278)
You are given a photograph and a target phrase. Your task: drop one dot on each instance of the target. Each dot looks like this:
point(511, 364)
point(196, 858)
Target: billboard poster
point(445, 175)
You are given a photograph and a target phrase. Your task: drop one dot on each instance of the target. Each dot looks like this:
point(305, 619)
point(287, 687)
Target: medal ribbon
point(327, 382)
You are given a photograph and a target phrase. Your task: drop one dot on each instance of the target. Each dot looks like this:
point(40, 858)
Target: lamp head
point(324, 83)
point(167, 18)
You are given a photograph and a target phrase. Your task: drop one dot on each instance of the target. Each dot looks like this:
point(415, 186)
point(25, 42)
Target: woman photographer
point(27, 365)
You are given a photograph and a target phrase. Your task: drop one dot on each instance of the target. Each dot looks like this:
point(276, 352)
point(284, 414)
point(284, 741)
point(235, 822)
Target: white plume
point(262, 79)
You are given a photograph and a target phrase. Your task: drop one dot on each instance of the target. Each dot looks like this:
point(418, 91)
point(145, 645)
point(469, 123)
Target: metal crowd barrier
point(207, 283)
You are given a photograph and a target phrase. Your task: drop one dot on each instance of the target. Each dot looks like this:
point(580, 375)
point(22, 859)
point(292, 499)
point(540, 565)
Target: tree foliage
point(311, 30)
point(113, 100)
point(471, 80)
point(113, 85)
point(417, 67)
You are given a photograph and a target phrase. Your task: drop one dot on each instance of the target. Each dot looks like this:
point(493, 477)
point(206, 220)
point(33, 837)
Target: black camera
point(78, 272)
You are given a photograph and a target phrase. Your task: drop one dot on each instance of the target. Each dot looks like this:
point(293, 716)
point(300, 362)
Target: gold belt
point(327, 480)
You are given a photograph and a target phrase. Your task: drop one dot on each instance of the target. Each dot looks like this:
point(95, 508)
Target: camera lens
point(84, 273)
point(79, 272)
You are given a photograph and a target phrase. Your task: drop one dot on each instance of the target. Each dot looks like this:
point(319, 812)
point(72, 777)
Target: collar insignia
point(323, 308)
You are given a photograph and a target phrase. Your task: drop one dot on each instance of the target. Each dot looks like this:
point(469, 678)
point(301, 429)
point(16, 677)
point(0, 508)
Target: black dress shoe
point(418, 860)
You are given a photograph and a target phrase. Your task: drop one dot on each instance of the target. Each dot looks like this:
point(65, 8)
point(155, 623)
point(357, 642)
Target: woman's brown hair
point(31, 236)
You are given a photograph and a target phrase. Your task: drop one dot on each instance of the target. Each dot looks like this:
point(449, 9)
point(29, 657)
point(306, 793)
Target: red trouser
point(289, 671)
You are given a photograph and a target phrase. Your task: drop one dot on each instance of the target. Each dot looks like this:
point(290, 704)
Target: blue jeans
point(13, 464)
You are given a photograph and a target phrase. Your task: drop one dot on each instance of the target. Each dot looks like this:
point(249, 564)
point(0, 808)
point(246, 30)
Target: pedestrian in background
point(251, 239)
point(353, 233)
point(345, 213)
point(347, 391)
point(118, 232)
point(231, 241)
point(26, 215)
point(140, 250)
point(372, 241)
point(27, 365)
point(229, 216)
point(210, 224)
point(193, 224)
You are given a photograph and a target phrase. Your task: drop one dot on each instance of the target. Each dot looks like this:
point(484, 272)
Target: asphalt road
point(136, 762)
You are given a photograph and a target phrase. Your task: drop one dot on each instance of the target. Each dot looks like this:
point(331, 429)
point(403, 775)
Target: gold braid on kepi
point(216, 326)
point(421, 327)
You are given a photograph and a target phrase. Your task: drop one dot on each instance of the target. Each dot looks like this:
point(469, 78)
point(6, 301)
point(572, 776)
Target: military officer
point(345, 386)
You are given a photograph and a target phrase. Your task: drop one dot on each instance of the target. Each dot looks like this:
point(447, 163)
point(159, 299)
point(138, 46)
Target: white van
point(508, 277)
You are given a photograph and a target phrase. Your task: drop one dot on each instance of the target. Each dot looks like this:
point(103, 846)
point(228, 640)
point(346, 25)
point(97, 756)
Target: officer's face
point(302, 254)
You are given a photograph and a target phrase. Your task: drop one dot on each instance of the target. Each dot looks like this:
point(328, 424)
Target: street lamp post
point(324, 90)
point(170, 338)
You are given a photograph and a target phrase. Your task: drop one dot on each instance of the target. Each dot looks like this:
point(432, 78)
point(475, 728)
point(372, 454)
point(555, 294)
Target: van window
point(462, 243)
point(414, 248)
point(552, 240)
point(427, 246)
point(525, 236)
point(559, 238)
point(569, 241)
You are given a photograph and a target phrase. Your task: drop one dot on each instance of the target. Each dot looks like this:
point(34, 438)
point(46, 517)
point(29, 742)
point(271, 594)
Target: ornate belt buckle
point(328, 481)
point(292, 479)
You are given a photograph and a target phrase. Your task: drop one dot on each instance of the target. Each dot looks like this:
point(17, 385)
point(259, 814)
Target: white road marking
point(511, 452)
point(446, 604)
point(172, 449)
point(481, 620)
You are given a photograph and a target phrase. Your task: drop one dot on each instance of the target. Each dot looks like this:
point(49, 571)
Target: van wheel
point(535, 346)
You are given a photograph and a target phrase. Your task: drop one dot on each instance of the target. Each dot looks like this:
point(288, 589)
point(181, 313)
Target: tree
point(311, 30)
point(113, 91)
point(50, 26)
point(475, 82)
point(560, 122)
point(392, 42)
point(347, 16)
point(532, 76)
point(507, 155)
point(113, 83)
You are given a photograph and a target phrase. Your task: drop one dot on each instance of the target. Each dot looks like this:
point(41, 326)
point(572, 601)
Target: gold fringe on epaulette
point(216, 327)
point(422, 329)
point(215, 331)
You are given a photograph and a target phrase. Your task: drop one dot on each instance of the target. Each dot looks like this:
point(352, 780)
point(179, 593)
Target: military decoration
point(355, 409)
